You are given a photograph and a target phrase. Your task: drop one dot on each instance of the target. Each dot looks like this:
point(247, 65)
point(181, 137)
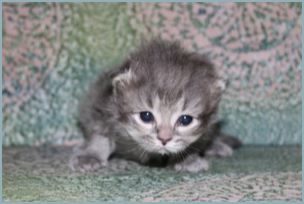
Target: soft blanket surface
point(252, 173)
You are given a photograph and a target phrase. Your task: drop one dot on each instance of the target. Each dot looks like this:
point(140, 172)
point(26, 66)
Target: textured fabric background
point(252, 174)
point(51, 52)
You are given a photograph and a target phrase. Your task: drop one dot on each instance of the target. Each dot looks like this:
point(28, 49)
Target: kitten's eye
point(146, 116)
point(185, 120)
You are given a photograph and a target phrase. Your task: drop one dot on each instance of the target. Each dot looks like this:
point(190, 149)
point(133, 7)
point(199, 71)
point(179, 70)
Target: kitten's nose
point(164, 135)
point(164, 141)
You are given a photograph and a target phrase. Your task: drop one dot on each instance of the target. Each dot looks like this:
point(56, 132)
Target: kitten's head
point(166, 97)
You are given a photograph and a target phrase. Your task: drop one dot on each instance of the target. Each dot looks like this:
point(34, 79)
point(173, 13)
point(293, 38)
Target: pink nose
point(164, 135)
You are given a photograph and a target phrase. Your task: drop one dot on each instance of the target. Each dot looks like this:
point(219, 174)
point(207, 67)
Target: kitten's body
point(164, 81)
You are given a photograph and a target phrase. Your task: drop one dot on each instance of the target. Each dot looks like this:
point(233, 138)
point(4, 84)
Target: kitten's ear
point(124, 77)
point(216, 90)
point(221, 85)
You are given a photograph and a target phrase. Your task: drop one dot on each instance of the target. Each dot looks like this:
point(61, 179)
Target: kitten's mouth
point(159, 150)
point(163, 151)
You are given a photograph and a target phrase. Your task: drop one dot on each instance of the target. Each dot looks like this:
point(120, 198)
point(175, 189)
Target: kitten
point(158, 108)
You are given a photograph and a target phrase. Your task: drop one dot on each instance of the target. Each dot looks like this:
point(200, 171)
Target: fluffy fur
point(169, 82)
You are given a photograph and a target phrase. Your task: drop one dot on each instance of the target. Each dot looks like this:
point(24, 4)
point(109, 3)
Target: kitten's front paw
point(193, 163)
point(219, 149)
point(86, 162)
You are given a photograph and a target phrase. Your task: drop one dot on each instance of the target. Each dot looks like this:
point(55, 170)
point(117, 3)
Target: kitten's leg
point(93, 154)
point(193, 163)
point(219, 149)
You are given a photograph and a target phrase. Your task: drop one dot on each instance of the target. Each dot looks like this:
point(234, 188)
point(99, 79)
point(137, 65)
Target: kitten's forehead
point(165, 111)
point(163, 100)
point(166, 106)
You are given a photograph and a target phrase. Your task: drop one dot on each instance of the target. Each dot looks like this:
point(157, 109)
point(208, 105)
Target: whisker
point(194, 148)
point(141, 157)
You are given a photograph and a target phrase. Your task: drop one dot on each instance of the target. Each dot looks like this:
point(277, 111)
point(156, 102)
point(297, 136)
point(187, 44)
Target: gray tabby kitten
point(158, 108)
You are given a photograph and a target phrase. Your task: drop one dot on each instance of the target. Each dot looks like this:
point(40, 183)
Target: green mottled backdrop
point(52, 52)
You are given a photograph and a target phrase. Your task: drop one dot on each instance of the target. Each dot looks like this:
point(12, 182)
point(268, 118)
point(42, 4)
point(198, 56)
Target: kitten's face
point(165, 97)
point(164, 128)
point(161, 120)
